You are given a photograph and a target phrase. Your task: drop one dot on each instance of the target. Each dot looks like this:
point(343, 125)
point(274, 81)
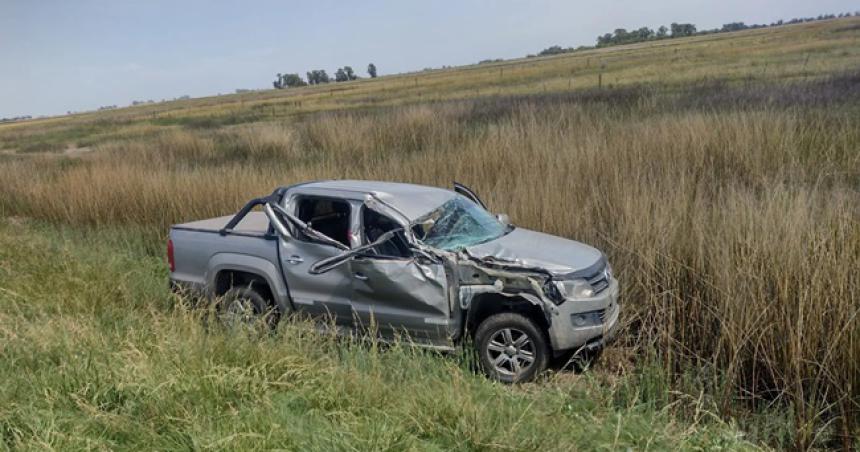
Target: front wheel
point(511, 348)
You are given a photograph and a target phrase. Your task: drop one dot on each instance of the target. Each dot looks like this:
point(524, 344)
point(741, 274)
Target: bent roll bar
point(275, 197)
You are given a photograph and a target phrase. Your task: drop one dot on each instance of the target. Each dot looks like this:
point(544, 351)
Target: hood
point(562, 257)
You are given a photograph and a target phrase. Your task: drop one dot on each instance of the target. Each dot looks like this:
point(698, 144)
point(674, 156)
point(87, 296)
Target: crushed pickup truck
point(410, 261)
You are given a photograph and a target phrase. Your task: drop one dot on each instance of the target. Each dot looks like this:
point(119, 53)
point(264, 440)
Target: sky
point(59, 55)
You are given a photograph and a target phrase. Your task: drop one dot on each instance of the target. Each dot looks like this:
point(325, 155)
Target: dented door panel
point(400, 295)
point(325, 294)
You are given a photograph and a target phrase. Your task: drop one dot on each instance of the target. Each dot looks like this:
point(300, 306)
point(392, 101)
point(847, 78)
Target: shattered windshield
point(457, 224)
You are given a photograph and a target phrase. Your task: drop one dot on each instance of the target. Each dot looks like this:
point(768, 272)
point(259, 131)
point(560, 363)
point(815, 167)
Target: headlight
point(575, 288)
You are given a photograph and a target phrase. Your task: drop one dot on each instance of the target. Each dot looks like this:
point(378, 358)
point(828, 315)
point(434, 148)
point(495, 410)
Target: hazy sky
point(77, 55)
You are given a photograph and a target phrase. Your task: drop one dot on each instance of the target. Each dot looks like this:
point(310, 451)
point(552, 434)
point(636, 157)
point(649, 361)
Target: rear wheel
point(511, 348)
point(243, 307)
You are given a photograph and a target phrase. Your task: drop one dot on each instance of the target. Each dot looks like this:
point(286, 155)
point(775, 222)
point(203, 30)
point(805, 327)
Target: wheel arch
point(485, 305)
point(227, 270)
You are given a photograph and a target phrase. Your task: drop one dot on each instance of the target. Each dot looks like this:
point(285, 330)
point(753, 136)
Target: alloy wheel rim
point(511, 351)
point(239, 312)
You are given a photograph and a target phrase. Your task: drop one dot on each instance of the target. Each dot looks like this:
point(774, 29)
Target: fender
point(249, 264)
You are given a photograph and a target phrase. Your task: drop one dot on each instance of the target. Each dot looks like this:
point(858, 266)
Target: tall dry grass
point(731, 213)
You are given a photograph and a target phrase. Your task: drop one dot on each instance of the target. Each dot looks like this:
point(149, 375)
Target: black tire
point(511, 348)
point(245, 305)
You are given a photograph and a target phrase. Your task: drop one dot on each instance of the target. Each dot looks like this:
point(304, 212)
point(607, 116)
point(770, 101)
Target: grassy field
point(100, 357)
point(721, 174)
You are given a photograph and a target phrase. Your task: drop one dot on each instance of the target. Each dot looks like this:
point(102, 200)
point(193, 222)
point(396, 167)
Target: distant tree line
point(345, 74)
point(289, 81)
point(16, 118)
point(676, 30)
point(319, 77)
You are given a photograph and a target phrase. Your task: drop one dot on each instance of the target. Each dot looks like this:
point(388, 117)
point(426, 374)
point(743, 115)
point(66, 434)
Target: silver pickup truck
point(410, 261)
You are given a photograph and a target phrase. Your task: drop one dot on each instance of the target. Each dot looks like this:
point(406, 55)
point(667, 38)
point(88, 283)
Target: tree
point(622, 36)
point(289, 81)
point(292, 81)
point(340, 75)
point(317, 77)
point(689, 29)
point(322, 77)
point(679, 30)
point(662, 32)
point(554, 50)
point(350, 74)
point(645, 34)
point(604, 40)
point(371, 70)
point(734, 26)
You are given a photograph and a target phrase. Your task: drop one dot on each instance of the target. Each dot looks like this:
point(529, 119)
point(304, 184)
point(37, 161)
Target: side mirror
point(330, 263)
point(503, 218)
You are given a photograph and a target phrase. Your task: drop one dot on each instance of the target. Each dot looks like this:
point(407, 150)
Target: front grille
point(598, 281)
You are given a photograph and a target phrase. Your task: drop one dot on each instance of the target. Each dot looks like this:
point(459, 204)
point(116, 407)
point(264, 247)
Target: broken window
point(375, 224)
point(328, 216)
point(457, 224)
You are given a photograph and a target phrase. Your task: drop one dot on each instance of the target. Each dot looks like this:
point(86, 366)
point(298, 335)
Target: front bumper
point(565, 335)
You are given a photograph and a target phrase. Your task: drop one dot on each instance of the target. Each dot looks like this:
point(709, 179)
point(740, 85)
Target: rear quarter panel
point(199, 255)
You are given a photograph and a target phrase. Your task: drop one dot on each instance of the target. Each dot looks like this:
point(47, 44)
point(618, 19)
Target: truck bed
point(254, 223)
point(201, 250)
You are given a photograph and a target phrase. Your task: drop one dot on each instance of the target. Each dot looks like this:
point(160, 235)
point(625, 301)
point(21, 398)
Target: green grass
point(95, 353)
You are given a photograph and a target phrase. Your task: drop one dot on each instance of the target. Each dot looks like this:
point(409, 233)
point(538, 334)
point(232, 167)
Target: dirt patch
point(854, 27)
point(73, 150)
point(16, 221)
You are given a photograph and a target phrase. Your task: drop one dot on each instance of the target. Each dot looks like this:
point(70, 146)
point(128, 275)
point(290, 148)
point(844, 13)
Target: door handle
point(295, 259)
point(360, 276)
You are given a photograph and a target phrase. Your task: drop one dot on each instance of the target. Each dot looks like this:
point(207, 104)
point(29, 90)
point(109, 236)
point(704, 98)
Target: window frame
point(294, 204)
point(363, 236)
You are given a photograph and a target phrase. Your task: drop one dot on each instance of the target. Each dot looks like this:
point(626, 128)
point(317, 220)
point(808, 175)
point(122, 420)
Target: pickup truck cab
point(406, 260)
